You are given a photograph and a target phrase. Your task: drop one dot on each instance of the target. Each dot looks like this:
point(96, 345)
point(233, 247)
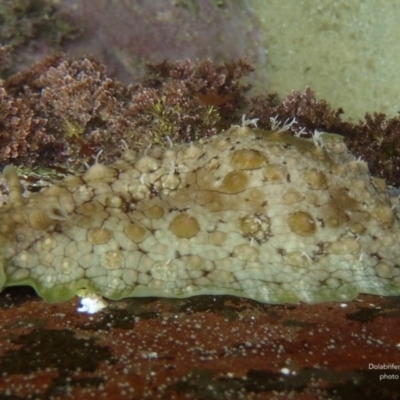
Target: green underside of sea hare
point(250, 213)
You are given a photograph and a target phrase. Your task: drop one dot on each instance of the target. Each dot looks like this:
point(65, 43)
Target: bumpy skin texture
point(257, 214)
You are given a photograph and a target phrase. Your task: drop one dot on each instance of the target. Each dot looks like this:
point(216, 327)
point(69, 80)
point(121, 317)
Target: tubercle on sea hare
point(251, 213)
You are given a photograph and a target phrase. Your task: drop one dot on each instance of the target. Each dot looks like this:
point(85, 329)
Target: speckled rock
point(257, 214)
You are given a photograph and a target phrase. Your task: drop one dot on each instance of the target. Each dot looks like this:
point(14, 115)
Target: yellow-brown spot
point(193, 261)
point(363, 216)
point(383, 270)
point(291, 196)
point(135, 232)
point(258, 196)
point(114, 259)
point(344, 246)
point(154, 212)
point(184, 226)
point(170, 181)
point(315, 179)
point(89, 208)
point(297, 258)
point(342, 199)
point(217, 238)
point(234, 182)
point(302, 223)
point(248, 159)
point(213, 201)
point(331, 216)
point(100, 172)
point(99, 236)
point(357, 228)
point(246, 252)
point(333, 222)
point(312, 198)
point(114, 201)
point(6, 228)
point(250, 225)
point(275, 173)
point(47, 243)
point(338, 169)
point(384, 214)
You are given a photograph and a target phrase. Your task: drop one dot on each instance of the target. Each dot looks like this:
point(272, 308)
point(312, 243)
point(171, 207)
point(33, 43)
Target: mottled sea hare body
point(257, 214)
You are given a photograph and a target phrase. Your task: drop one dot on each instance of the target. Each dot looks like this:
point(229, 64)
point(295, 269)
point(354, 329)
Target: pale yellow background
point(347, 50)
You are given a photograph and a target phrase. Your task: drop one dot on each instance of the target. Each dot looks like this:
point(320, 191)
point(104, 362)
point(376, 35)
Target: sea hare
point(250, 213)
